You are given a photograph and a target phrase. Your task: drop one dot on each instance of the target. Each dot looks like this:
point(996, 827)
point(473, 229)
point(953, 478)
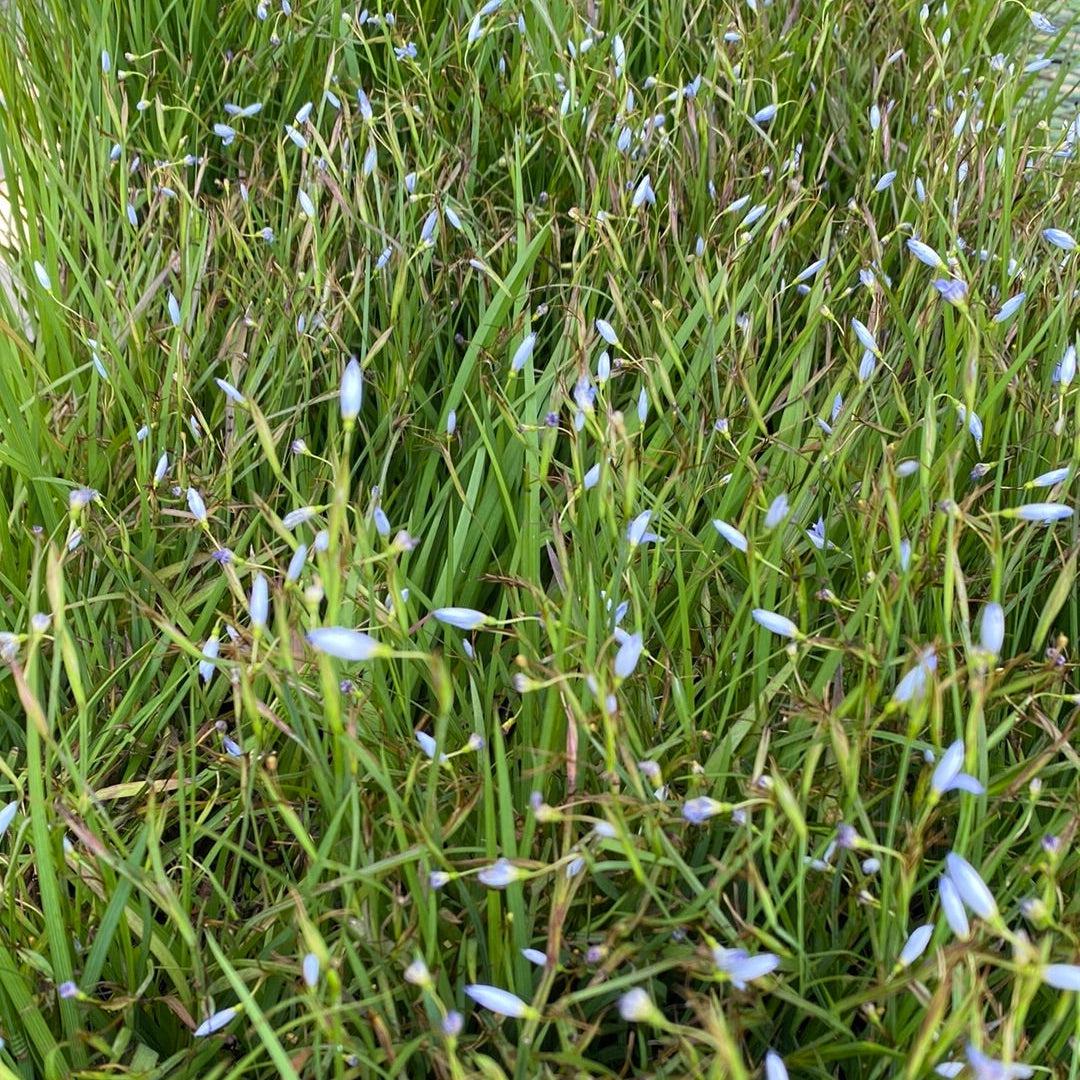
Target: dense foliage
point(555, 510)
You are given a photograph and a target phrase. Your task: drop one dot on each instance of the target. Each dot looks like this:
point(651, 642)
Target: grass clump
point(539, 540)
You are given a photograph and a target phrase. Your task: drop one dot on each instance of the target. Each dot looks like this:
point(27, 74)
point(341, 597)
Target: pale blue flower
point(300, 516)
point(231, 392)
point(885, 181)
point(992, 628)
point(1010, 307)
point(775, 1069)
point(698, 810)
point(627, 657)
point(1043, 513)
point(912, 687)
point(925, 253)
point(1059, 976)
point(607, 331)
point(970, 886)
point(196, 504)
point(643, 193)
point(1065, 371)
point(953, 909)
point(429, 227)
point(809, 271)
point(866, 339)
point(351, 394)
point(428, 745)
point(754, 214)
point(742, 968)
point(43, 276)
point(636, 531)
point(636, 1007)
point(618, 54)
point(584, 393)
point(259, 601)
point(949, 1069)
point(731, 534)
point(778, 510)
point(7, 816)
point(498, 1001)
point(500, 874)
point(222, 1018)
point(1049, 479)
point(462, 618)
point(947, 775)
point(243, 111)
point(987, 1068)
point(1059, 238)
point(776, 624)
point(417, 973)
point(952, 290)
point(346, 644)
point(651, 771)
point(915, 945)
point(296, 563)
point(210, 650)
